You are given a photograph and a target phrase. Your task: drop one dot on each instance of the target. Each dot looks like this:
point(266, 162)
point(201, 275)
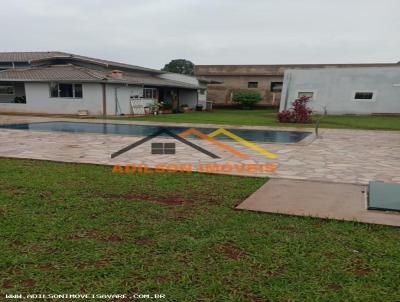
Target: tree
point(180, 66)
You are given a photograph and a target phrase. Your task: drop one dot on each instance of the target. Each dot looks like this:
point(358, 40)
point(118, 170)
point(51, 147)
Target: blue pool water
point(144, 130)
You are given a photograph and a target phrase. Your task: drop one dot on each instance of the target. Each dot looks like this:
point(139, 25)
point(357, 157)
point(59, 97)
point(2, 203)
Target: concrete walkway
point(317, 199)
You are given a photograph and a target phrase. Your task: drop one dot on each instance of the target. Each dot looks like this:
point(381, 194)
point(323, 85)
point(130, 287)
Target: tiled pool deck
point(345, 156)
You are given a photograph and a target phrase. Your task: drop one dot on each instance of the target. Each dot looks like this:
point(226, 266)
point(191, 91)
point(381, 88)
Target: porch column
point(103, 88)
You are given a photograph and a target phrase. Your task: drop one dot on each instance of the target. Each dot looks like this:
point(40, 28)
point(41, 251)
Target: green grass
point(69, 228)
point(267, 117)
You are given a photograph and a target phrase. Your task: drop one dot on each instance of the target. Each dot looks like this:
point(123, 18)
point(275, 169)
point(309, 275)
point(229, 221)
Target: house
point(345, 90)
point(265, 79)
point(63, 83)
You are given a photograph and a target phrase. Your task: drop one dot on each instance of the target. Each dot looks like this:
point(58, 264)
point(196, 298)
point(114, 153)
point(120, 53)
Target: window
point(309, 94)
point(7, 89)
point(65, 90)
point(276, 86)
point(163, 148)
point(364, 96)
point(252, 84)
point(78, 91)
point(150, 93)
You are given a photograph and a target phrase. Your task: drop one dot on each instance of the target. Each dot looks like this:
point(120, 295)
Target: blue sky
point(152, 32)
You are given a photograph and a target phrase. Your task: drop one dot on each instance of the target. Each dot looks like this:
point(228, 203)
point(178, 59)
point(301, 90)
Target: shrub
point(285, 116)
point(246, 99)
point(298, 113)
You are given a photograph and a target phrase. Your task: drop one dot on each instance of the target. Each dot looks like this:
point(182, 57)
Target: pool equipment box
point(383, 196)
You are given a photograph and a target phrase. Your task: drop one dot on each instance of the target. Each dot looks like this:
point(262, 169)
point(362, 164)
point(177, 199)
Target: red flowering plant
point(298, 113)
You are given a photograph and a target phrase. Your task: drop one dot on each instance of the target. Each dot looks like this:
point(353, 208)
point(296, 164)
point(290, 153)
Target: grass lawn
point(267, 117)
point(69, 228)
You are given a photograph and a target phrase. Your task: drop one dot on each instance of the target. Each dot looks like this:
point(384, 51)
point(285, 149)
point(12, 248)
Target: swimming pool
point(278, 136)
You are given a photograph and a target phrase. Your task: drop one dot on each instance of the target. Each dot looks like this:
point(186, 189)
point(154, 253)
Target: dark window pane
point(157, 148)
point(169, 148)
point(276, 86)
point(157, 145)
point(6, 89)
point(78, 91)
point(157, 151)
point(364, 95)
point(149, 93)
point(54, 90)
point(65, 90)
point(252, 84)
point(169, 151)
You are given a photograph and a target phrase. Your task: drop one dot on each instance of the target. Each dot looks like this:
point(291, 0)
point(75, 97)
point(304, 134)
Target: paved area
point(341, 156)
point(317, 199)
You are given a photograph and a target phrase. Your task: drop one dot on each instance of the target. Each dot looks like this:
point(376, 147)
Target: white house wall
point(203, 99)
point(334, 89)
point(38, 100)
point(123, 94)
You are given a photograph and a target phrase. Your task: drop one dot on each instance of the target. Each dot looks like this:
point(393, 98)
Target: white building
point(63, 83)
point(365, 90)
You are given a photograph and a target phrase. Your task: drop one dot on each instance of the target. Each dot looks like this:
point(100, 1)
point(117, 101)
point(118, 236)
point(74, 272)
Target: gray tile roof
point(27, 56)
point(53, 73)
point(31, 57)
point(75, 73)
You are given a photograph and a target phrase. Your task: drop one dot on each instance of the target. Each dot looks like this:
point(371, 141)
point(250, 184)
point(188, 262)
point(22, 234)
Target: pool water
point(278, 136)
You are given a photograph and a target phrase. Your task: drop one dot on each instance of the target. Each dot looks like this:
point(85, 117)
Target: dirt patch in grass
point(232, 251)
point(45, 194)
point(256, 299)
point(334, 287)
point(361, 271)
point(145, 241)
point(28, 283)
point(166, 200)
point(96, 264)
point(16, 191)
point(86, 235)
point(46, 267)
point(113, 238)
point(7, 284)
point(330, 255)
point(95, 235)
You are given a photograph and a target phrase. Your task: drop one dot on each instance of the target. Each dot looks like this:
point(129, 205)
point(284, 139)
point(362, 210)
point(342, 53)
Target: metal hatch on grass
point(384, 196)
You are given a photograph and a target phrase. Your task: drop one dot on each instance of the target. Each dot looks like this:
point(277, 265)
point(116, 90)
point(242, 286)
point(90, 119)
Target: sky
point(150, 33)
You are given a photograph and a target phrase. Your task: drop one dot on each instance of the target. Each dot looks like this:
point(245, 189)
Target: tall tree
point(180, 66)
